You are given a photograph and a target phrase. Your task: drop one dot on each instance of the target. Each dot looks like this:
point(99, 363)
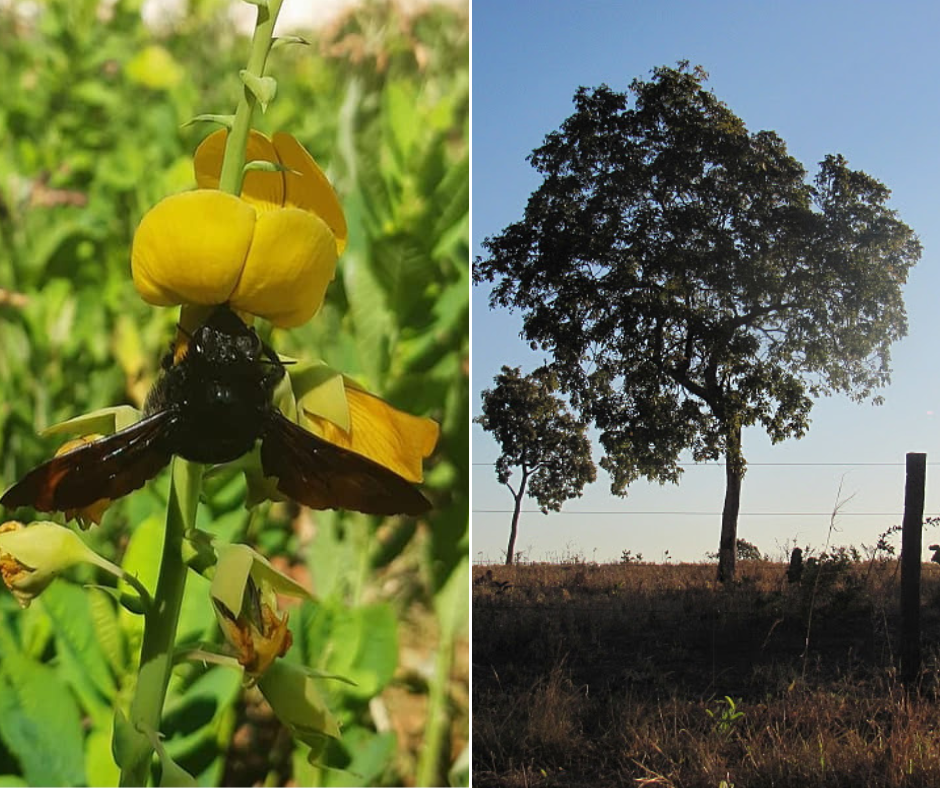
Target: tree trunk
point(734, 473)
point(514, 529)
point(511, 550)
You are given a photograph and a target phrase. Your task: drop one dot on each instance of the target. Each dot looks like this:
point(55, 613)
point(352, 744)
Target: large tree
point(539, 436)
point(689, 282)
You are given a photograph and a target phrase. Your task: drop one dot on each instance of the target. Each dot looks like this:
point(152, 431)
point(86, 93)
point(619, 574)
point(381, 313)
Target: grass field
point(652, 674)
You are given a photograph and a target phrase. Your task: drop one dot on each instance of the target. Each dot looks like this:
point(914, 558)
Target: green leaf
point(329, 563)
point(361, 757)
point(123, 740)
point(262, 88)
point(399, 264)
point(227, 121)
point(40, 723)
point(297, 702)
point(215, 688)
point(451, 200)
point(319, 389)
point(83, 661)
point(198, 551)
point(35, 632)
point(371, 753)
point(282, 41)
point(172, 773)
point(141, 560)
point(361, 644)
point(400, 98)
point(197, 619)
point(94, 93)
point(132, 603)
point(155, 68)
point(199, 715)
point(99, 761)
point(452, 601)
point(375, 325)
point(102, 421)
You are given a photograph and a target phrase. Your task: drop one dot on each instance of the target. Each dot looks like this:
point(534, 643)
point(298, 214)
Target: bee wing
point(321, 475)
point(110, 467)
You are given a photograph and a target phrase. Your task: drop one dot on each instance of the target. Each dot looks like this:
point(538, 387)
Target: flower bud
point(31, 557)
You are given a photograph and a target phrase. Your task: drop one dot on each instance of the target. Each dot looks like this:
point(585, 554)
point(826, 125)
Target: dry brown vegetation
point(643, 674)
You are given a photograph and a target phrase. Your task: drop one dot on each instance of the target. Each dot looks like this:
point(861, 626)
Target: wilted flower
point(256, 634)
point(31, 557)
point(244, 594)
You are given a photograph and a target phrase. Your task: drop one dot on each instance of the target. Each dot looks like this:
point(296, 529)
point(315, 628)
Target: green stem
point(451, 604)
point(156, 655)
point(430, 770)
point(233, 164)
point(134, 737)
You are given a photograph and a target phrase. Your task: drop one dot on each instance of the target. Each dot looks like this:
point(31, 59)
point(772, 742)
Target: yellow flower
point(368, 425)
point(270, 252)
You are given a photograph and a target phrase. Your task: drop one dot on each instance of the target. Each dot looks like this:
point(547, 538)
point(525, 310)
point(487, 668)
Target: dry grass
point(616, 675)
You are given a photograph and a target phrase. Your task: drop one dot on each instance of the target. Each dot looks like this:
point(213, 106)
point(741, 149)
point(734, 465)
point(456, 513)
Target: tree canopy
point(539, 436)
point(689, 281)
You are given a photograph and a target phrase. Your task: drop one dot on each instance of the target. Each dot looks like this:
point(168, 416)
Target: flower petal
point(384, 434)
point(264, 190)
point(207, 161)
point(291, 261)
point(191, 247)
point(308, 188)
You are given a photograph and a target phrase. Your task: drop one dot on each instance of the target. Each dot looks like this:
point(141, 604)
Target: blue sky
point(857, 78)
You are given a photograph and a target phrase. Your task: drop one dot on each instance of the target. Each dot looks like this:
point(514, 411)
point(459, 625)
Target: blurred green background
point(93, 108)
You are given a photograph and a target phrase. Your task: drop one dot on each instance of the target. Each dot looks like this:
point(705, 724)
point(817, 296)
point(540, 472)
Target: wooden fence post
point(912, 529)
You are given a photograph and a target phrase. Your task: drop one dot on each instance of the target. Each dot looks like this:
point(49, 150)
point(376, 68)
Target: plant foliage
point(94, 116)
point(539, 436)
point(690, 282)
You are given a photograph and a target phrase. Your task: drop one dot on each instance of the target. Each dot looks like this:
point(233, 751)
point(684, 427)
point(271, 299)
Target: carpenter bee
point(210, 405)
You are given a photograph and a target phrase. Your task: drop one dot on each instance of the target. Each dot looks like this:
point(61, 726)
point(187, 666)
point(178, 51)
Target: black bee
point(210, 406)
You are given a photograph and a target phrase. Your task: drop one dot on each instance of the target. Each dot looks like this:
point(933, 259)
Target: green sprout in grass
point(726, 716)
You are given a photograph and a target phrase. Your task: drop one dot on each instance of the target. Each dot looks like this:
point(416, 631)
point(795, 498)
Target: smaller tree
point(539, 436)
